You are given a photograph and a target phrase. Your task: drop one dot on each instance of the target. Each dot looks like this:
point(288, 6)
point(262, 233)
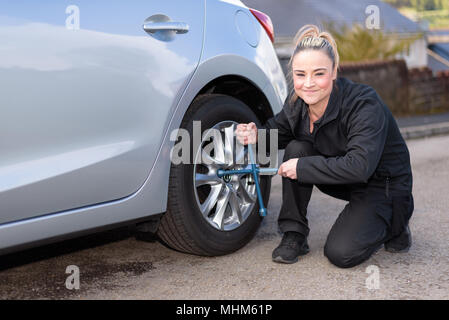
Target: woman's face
point(313, 76)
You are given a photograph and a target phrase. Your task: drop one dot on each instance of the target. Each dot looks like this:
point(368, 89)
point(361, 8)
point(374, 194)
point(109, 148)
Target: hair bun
point(310, 37)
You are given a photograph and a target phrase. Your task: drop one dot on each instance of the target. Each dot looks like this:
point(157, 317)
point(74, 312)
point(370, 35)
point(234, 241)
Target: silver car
point(90, 96)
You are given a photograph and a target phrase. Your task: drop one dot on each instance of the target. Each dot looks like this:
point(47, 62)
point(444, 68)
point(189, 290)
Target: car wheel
point(207, 215)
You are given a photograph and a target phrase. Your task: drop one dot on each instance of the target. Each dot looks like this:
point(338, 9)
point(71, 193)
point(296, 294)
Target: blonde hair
point(309, 37)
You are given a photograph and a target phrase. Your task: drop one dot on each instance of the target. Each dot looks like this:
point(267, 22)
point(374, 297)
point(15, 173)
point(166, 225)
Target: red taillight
point(265, 21)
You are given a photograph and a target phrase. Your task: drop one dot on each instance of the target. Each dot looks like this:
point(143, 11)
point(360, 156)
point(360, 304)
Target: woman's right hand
point(246, 133)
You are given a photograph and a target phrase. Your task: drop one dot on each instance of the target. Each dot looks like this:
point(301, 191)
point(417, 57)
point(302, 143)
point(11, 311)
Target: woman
point(340, 137)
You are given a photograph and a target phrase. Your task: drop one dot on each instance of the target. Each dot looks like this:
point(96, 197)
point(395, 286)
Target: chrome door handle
point(178, 27)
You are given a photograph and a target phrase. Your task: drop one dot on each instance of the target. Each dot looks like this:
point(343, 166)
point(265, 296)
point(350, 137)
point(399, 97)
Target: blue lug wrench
point(255, 171)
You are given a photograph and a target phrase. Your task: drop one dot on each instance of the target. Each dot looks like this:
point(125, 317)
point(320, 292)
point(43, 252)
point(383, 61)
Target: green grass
point(356, 43)
point(437, 18)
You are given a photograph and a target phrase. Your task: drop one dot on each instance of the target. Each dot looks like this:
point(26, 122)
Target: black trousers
point(361, 228)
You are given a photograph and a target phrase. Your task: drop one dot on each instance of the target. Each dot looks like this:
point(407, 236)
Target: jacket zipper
point(387, 186)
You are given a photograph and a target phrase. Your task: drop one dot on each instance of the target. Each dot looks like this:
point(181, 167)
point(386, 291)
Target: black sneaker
point(293, 244)
point(401, 243)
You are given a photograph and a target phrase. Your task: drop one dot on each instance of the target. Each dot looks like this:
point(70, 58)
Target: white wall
point(416, 55)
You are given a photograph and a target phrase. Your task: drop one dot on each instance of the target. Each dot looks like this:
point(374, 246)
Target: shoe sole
point(281, 260)
point(391, 250)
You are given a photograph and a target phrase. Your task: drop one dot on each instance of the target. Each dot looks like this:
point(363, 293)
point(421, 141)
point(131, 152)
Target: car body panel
point(258, 65)
point(96, 100)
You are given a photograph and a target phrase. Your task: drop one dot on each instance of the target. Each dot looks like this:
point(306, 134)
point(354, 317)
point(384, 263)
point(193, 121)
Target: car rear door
point(86, 95)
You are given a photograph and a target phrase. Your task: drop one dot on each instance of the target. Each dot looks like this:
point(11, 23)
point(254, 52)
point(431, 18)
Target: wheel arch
point(242, 89)
point(226, 74)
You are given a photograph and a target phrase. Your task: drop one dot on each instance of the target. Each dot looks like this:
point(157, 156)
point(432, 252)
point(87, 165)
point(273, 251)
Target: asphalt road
point(113, 265)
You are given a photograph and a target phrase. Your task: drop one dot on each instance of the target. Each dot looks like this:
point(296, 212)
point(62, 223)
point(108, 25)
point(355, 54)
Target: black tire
point(183, 227)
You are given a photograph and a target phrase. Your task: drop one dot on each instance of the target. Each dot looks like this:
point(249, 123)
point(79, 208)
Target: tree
point(422, 5)
point(399, 3)
point(357, 43)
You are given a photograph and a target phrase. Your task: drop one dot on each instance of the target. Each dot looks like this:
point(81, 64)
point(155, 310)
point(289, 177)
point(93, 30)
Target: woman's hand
point(288, 169)
point(246, 133)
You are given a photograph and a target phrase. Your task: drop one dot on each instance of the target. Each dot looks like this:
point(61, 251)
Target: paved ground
point(423, 119)
point(424, 125)
point(114, 265)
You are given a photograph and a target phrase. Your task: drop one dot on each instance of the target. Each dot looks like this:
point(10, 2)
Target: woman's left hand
point(288, 169)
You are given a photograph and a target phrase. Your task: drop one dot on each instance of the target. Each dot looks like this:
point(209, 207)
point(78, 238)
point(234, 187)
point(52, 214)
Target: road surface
point(113, 265)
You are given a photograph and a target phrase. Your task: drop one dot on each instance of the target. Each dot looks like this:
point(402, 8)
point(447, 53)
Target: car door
point(86, 95)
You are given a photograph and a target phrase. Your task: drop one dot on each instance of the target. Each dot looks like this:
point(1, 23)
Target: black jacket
point(358, 140)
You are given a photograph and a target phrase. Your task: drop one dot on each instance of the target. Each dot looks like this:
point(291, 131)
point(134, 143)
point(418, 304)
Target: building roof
point(289, 15)
point(439, 57)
